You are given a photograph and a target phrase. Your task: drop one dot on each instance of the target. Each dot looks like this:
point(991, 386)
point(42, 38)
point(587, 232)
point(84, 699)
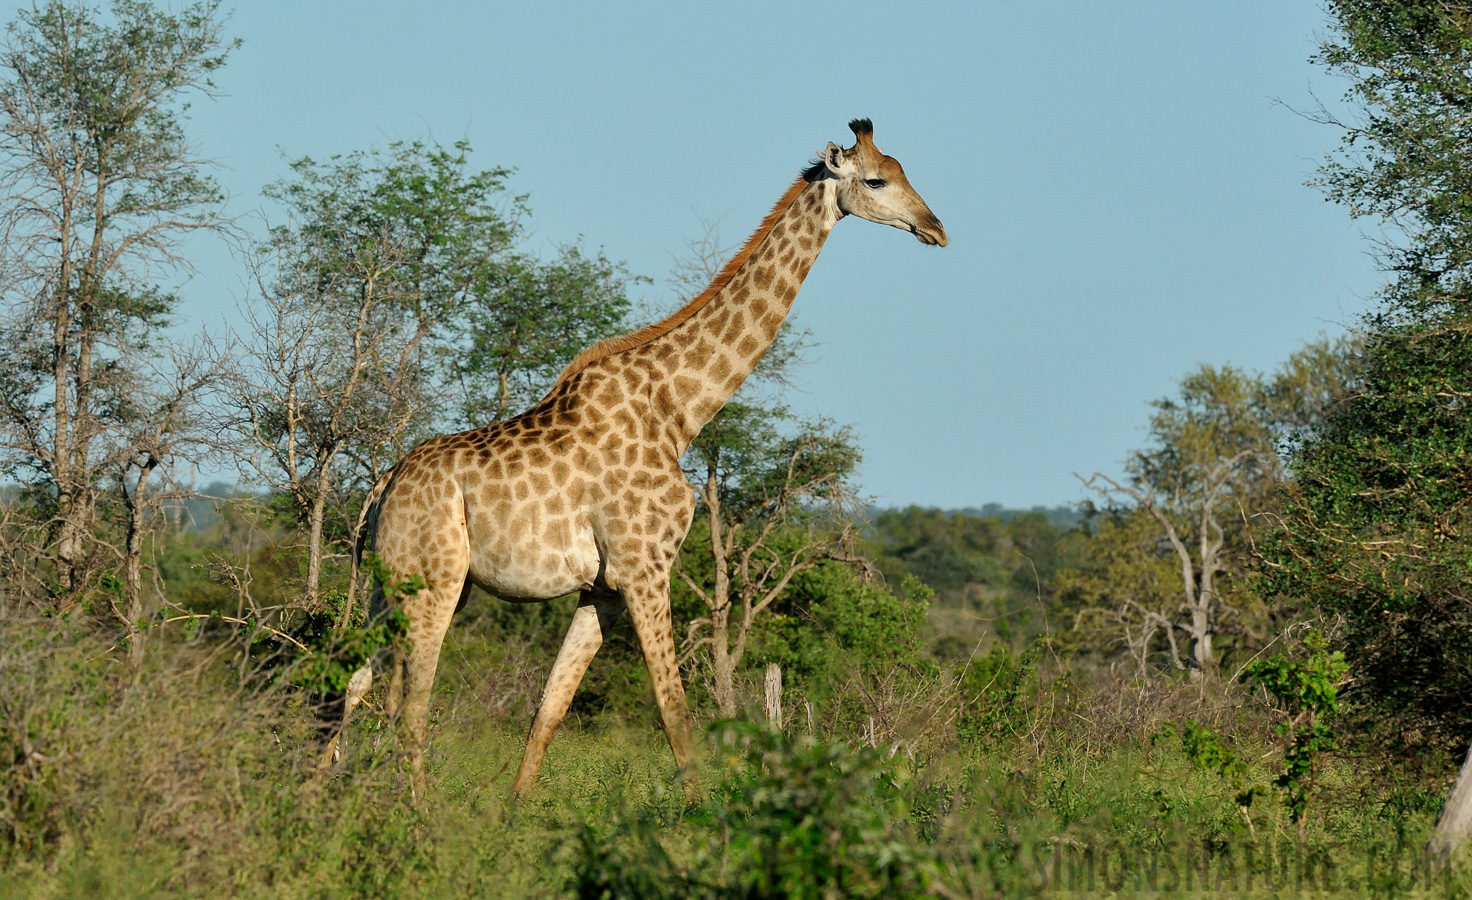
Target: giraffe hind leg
point(358, 686)
point(429, 620)
point(591, 623)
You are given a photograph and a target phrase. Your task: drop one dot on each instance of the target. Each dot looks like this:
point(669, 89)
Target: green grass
point(188, 781)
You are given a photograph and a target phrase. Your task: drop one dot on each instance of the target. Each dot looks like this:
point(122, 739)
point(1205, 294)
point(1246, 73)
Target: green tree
point(1377, 525)
point(524, 323)
point(1192, 501)
point(99, 185)
point(961, 557)
point(989, 572)
point(380, 252)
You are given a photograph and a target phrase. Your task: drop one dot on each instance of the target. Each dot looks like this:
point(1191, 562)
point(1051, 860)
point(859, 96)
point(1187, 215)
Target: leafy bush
point(1307, 693)
point(831, 618)
point(331, 654)
point(792, 819)
point(1205, 748)
point(993, 694)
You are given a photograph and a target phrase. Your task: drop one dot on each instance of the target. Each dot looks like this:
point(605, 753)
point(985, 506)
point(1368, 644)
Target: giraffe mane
point(648, 333)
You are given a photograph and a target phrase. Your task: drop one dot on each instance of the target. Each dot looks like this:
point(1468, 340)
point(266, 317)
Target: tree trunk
point(76, 491)
point(61, 471)
point(1201, 654)
point(722, 663)
point(133, 562)
point(316, 515)
point(773, 699)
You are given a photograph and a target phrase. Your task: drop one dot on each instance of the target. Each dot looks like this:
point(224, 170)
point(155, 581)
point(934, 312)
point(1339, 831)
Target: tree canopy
point(1376, 526)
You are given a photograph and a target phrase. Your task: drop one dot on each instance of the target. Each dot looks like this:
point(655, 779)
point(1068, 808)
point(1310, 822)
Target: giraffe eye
point(875, 183)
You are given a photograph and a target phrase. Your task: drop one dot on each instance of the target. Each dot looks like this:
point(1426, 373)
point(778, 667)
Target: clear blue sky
point(1123, 195)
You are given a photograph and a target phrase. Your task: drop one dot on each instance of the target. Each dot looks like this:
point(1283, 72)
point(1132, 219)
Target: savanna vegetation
point(1240, 668)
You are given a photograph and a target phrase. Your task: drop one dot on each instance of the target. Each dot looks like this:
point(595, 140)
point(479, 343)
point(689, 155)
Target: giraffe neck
point(720, 344)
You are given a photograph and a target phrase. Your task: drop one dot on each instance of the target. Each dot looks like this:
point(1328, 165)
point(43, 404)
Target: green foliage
point(105, 91)
point(797, 819)
point(1206, 749)
point(1377, 526)
point(991, 577)
point(1114, 597)
point(775, 504)
point(333, 653)
point(809, 819)
point(950, 552)
point(185, 780)
point(832, 621)
point(413, 215)
point(625, 860)
point(994, 695)
point(1404, 159)
point(1307, 692)
point(1214, 429)
point(1203, 747)
point(382, 253)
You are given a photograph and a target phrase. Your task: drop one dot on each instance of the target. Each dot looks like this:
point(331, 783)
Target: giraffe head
point(873, 186)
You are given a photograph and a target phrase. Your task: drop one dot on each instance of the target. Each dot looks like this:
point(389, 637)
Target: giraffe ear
point(833, 158)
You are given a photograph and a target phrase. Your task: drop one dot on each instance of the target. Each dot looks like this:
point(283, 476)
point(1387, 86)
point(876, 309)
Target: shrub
point(1306, 691)
point(993, 694)
point(792, 819)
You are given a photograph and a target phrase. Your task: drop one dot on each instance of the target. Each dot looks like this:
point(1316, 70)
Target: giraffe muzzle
point(930, 232)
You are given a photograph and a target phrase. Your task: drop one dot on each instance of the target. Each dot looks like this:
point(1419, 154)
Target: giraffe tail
point(367, 530)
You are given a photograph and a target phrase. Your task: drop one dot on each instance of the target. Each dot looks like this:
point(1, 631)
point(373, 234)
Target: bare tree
point(1196, 537)
point(166, 428)
point(1190, 502)
point(1184, 504)
point(98, 184)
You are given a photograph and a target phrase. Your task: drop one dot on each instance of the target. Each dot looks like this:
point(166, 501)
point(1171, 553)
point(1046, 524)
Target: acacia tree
point(526, 320)
point(99, 184)
point(381, 250)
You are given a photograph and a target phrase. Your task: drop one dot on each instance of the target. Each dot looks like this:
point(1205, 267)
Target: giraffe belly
point(531, 556)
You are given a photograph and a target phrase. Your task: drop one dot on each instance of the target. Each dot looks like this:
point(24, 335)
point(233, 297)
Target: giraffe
point(584, 491)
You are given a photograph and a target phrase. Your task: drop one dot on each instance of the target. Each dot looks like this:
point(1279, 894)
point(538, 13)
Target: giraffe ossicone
point(584, 491)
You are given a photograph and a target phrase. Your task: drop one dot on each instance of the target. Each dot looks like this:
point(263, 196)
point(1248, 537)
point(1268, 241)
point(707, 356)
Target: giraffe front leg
point(649, 607)
point(590, 624)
